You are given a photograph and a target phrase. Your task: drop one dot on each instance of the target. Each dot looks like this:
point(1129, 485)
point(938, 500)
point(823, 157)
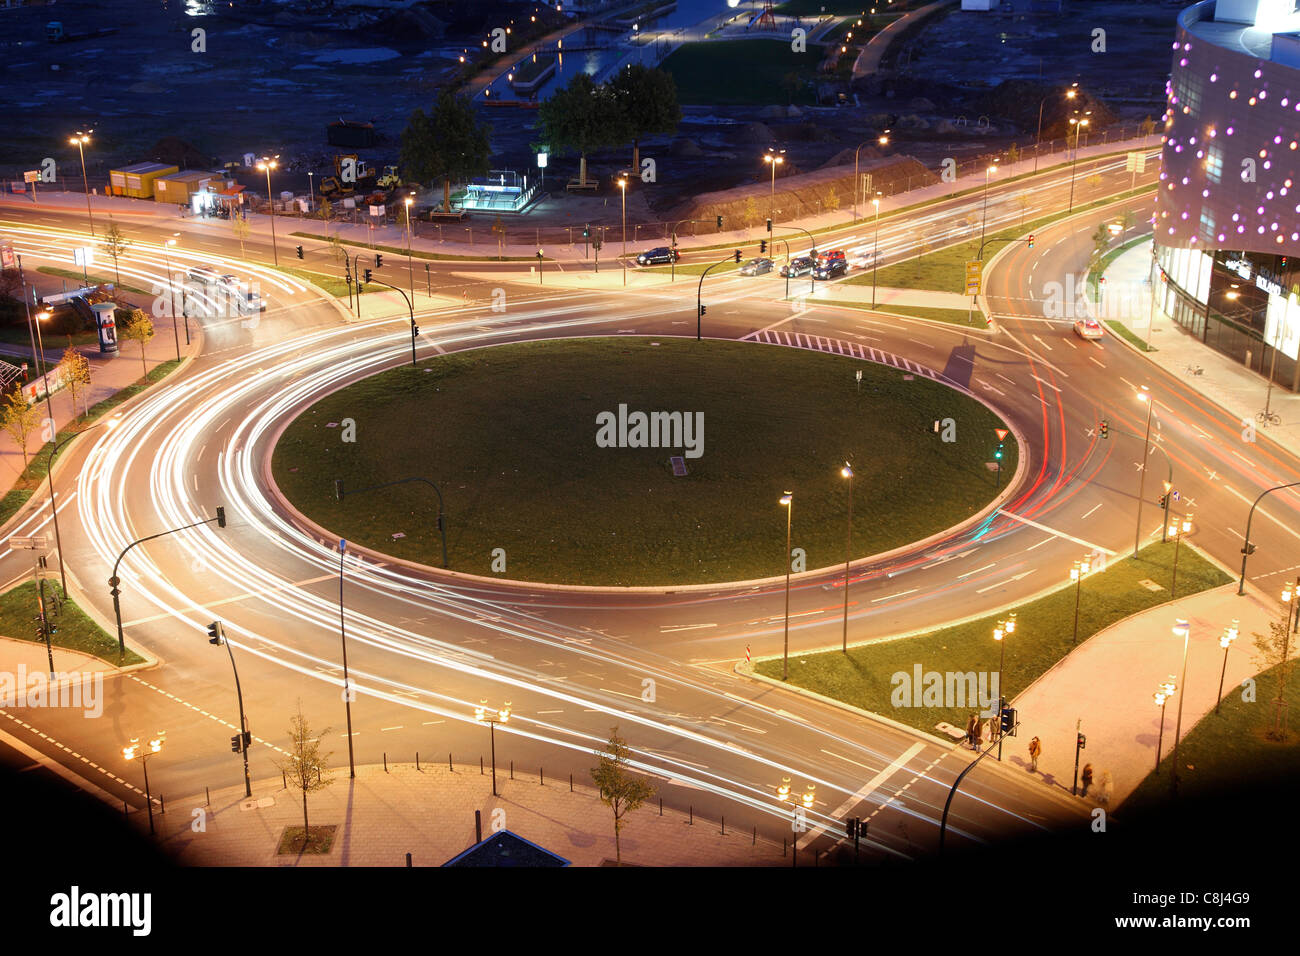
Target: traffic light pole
point(943, 822)
point(340, 494)
point(410, 309)
point(243, 721)
point(114, 580)
point(672, 269)
point(699, 293)
point(356, 262)
point(1246, 546)
point(1079, 745)
point(812, 251)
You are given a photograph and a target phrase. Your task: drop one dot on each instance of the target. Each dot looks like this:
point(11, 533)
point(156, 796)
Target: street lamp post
point(622, 188)
point(347, 685)
point(1076, 575)
point(110, 423)
point(1144, 395)
point(80, 140)
point(35, 326)
point(1162, 695)
point(1178, 529)
point(1181, 629)
point(1038, 137)
point(799, 811)
point(787, 499)
point(882, 140)
point(133, 750)
point(875, 251)
point(1001, 632)
point(847, 472)
point(984, 216)
point(774, 160)
point(501, 716)
point(311, 189)
point(1078, 125)
point(409, 269)
point(1225, 641)
point(267, 165)
point(171, 297)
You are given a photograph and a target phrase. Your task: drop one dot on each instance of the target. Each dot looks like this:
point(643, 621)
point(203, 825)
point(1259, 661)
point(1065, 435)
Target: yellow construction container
point(137, 180)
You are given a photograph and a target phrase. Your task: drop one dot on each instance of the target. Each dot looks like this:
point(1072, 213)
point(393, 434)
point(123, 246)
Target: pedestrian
point(1087, 778)
point(1107, 787)
point(979, 732)
point(972, 723)
point(1035, 751)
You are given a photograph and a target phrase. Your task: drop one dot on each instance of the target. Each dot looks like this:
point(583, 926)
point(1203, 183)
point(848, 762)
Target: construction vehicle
point(390, 179)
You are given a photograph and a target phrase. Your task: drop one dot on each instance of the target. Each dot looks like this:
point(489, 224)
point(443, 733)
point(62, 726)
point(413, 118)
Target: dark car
point(799, 266)
point(756, 267)
point(656, 256)
point(830, 268)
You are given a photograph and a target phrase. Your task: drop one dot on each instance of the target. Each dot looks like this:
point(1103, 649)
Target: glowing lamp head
point(997, 633)
point(783, 791)
point(787, 498)
point(846, 471)
point(481, 709)
point(1180, 628)
point(1144, 394)
point(809, 796)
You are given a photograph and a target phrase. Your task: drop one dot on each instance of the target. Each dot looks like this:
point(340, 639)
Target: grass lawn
point(417, 253)
point(742, 72)
point(1042, 637)
point(95, 278)
point(37, 468)
point(18, 335)
point(76, 631)
point(1227, 750)
point(1119, 328)
point(945, 269)
point(319, 840)
point(509, 433)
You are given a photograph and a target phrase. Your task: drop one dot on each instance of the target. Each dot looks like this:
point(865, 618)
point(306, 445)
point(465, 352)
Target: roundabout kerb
point(330, 539)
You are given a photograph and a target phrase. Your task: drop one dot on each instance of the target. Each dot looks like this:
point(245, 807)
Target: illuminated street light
point(144, 752)
point(1183, 630)
point(787, 500)
point(1162, 695)
point(484, 714)
point(1144, 395)
point(1078, 124)
point(774, 160)
point(622, 186)
point(985, 216)
point(1077, 574)
point(847, 472)
point(1229, 635)
point(1178, 528)
point(799, 810)
point(79, 140)
point(266, 165)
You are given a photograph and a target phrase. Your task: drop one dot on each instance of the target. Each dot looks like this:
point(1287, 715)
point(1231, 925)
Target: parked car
point(756, 267)
point(656, 256)
point(798, 266)
point(1088, 328)
point(830, 268)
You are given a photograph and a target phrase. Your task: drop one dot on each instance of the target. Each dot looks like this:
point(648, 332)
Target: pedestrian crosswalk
point(822, 343)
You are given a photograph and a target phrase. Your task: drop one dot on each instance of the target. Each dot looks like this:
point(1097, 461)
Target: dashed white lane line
point(1059, 534)
point(199, 710)
point(1044, 345)
point(892, 596)
point(1047, 383)
point(1094, 508)
point(1091, 359)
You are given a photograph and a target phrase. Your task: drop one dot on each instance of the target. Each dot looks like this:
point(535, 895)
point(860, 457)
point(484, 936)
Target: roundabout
point(553, 460)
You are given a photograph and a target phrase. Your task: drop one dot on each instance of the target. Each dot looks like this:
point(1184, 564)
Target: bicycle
point(1268, 418)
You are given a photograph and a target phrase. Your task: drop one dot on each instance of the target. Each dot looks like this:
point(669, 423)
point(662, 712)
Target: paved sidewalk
point(430, 814)
point(1109, 681)
point(1223, 380)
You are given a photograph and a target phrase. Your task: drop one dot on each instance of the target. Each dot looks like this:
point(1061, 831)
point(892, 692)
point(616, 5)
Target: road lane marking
point(892, 596)
point(867, 789)
point(1046, 382)
point(1060, 534)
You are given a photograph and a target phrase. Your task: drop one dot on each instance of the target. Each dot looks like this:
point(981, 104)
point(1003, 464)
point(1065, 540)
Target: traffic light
point(762, 246)
point(1031, 240)
point(300, 252)
point(367, 275)
point(1164, 502)
point(719, 222)
point(1248, 549)
point(248, 739)
point(1081, 742)
point(415, 329)
point(737, 255)
point(1105, 428)
point(1008, 721)
point(703, 309)
point(221, 516)
point(215, 632)
point(998, 454)
point(586, 231)
point(379, 261)
point(851, 827)
point(769, 225)
point(234, 744)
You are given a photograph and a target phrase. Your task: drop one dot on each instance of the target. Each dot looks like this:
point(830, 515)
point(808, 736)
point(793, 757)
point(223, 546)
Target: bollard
point(724, 826)
point(512, 770)
point(207, 802)
point(478, 826)
point(162, 807)
point(417, 761)
point(126, 809)
point(691, 822)
point(385, 761)
point(570, 783)
point(408, 859)
point(755, 843)
point(661, 806)
point(284, 783)
point(480, 766)
point(450, 768)
point(541, 777)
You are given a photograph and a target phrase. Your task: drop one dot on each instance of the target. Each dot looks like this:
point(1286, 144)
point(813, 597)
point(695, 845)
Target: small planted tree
point(619, 790)
point(19, 420)
point(75, 369)
point(138, 328)
point(307, 771)
point(115, 245)
point(1275, 649)
point(750, 213)
point(239, 226)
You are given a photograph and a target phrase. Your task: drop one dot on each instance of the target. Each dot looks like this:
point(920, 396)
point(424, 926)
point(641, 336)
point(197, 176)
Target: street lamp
point(875, 250)
point(34, 326)
point(171, 295)
point(267, 165)
point(1162, 695)
point(1077, 573)
point(799, 809)
point(1144, 395)
point(1225, 641)
point(787, 499)
point(847, 472)
point(348, 692)
point(109, 423)
point(1078, 124)
point(80, 140)
point(1000, 633)
point(984, 217)
point(311, 188)
point(774, 160)
point(144, 752)
point(1181, 629)
point(857, 180)
point(622, 186)
point(502, 716)
point(409, 269)
point(1038, 137)
point(1178, 528)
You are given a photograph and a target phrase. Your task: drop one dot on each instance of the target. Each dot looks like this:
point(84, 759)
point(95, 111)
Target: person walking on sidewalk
point(979, 731)
point(972, 728)
point(1107, 787)
point(1035, 751)
point(1087, 778)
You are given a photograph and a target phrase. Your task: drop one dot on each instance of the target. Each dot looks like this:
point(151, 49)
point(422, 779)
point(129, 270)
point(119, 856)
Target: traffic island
point(639, 461)
point(72, 628)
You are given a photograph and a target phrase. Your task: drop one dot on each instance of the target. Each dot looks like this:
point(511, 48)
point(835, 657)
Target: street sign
point(28, 542)
point(1001, 433)
point(1135, 162)
point(32, 176)
point(973, 269)
point(6, 255)
point(84, 256)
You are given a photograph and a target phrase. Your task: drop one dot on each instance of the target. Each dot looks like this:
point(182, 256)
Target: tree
point(325, 211)
point(1148, 126)
point(619, 791)
point(239, 226)
point(138, 328)
point(832, 199)
point(583, 117)
point(448, 143)
point(305, 767)
point(1013, 154)
point(648, 98)
point(115, 245)
point(75, 369)
point(1100, 243)
point(1024, 201)
point(19, 420)
point(1276, 650)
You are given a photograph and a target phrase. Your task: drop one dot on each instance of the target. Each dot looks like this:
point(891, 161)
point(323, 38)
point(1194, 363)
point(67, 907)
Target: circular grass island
point(544, 453)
